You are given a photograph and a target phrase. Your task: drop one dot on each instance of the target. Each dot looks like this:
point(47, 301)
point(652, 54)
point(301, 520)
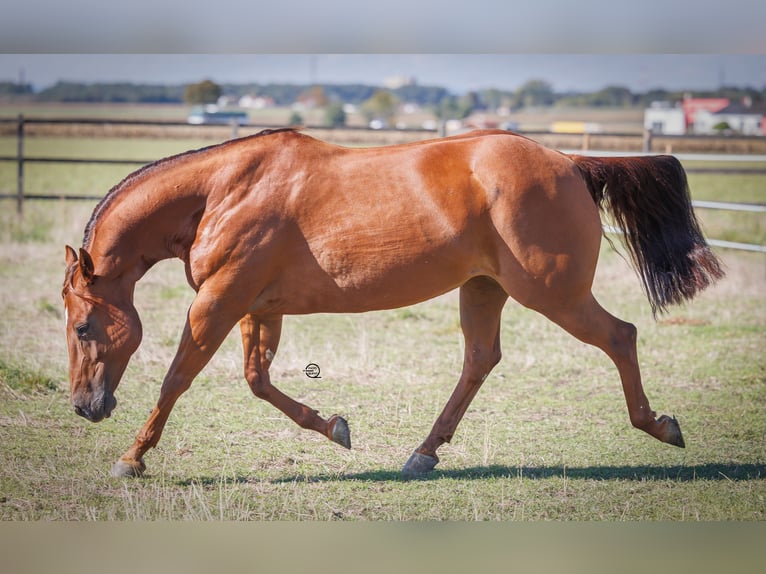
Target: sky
point(461, 45)
point(456, 72)
point(383, 26)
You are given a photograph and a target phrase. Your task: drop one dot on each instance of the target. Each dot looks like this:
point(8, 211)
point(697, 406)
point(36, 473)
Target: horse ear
point(86, 266)
point(71, 256)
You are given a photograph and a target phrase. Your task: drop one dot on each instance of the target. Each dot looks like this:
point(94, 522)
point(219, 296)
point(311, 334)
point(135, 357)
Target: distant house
point(257, 102)
point(697, 107)
point(741, 118)
point(662, 118)
point(690, 115)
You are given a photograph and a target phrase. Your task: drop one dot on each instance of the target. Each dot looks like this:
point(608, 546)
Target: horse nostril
point(79, 411)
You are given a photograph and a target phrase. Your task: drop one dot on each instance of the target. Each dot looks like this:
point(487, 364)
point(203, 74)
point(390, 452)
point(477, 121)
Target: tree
point(455, 108)
point(493, 98)
point(334, 114)
point(295, 119)
point(13, 89)
point(534, 93)
point(204, 92)
point(382, 105)
point(722, 127)
point(313, 97)
point(616, 96)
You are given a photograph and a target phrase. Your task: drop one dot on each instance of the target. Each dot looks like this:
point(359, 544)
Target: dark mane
point(149, 168)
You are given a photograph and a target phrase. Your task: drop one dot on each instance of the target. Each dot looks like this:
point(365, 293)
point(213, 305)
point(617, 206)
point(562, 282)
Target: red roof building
point(693, 105)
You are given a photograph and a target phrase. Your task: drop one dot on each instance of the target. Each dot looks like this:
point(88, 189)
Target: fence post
point(442, 128)
point(20, 171)
point(647, 144)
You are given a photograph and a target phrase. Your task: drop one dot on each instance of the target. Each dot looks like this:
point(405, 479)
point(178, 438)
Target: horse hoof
point(673, 431)
point(419, 465)
point(340, 433)
point(128, 469)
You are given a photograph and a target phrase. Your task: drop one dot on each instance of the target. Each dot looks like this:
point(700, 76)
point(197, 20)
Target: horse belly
point(342, 283)
point(362, 274)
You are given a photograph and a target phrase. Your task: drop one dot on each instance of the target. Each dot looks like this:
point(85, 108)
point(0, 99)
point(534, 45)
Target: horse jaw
point(99, 404)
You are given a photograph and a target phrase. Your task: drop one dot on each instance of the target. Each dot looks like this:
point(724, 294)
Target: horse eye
point(81, 330)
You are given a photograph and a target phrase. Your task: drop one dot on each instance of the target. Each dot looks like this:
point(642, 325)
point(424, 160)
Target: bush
point(335, 117)
point(722, 127)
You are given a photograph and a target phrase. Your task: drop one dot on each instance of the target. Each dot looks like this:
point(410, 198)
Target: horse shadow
point(680, 473)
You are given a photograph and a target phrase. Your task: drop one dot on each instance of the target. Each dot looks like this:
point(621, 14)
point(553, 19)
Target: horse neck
point(156, 218)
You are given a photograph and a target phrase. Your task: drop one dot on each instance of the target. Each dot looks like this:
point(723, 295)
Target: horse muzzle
point(98, 409)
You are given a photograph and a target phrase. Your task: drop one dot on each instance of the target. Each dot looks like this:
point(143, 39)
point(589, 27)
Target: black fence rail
point(21, 159)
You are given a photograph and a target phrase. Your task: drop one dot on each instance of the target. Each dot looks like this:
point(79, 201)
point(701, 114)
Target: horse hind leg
point(481, 304)
point(592, 324)
point(260, 339)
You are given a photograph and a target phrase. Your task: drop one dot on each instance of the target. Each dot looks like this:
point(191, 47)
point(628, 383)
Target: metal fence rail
point(715, 242)
point(751, 207)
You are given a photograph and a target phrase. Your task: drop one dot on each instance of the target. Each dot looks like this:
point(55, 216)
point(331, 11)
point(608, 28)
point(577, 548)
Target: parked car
point(214, 115)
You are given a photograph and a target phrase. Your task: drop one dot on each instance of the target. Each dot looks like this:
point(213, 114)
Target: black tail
point(648, 197)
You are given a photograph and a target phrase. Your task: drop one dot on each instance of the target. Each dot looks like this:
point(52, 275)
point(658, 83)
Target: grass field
point(547, 438)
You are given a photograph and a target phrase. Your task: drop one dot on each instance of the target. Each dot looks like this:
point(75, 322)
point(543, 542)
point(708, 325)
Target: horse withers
point(492, 213)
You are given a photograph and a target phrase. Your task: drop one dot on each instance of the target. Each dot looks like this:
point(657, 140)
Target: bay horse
point(490, 212)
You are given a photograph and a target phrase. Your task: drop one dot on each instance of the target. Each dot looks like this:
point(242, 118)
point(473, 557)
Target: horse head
point(103, 330)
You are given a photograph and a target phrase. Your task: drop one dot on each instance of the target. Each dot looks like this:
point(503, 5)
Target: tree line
point(533, 93)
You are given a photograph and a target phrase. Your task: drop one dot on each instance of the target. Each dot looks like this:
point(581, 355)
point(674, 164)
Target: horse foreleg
point(481, 304)
point(590, 323)
point(260, 339)
point(205, 329)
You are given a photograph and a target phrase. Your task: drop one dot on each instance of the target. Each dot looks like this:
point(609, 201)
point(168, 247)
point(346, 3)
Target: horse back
point(390, 226)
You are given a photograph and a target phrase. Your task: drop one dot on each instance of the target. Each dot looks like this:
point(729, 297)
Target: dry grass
point(547, 438)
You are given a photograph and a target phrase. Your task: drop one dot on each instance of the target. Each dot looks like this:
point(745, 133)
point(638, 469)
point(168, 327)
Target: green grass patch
point(25, 380)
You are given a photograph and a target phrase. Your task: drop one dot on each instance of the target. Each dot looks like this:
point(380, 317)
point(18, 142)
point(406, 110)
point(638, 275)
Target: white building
point(741, 118)
point(662, 118)
point(394, 82)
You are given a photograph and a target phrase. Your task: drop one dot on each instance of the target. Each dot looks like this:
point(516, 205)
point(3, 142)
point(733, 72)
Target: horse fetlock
point(128, 468)
point(643, 419)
